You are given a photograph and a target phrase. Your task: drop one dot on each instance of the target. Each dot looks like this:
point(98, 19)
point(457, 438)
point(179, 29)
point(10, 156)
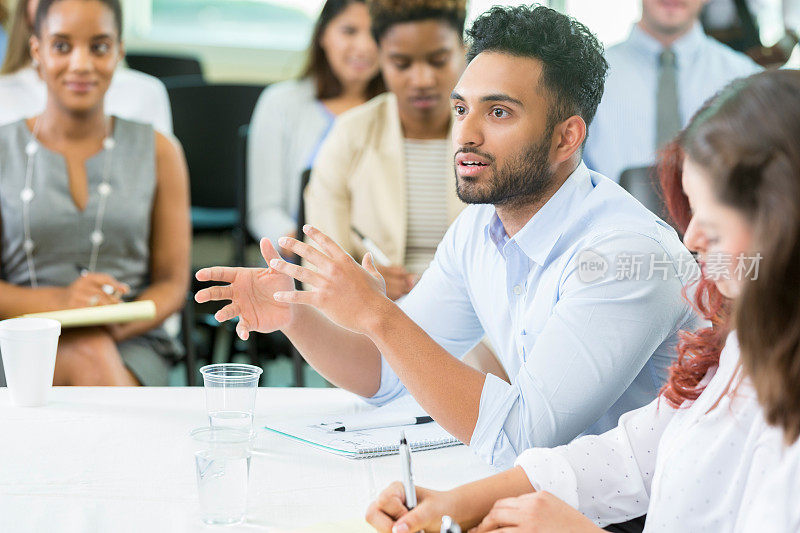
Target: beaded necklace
point(27, 195)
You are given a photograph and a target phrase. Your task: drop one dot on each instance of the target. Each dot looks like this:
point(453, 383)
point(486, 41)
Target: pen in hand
point(408, 474)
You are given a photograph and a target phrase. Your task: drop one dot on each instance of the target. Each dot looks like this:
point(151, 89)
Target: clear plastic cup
point(28, 347)
point(222, 465)
point(231, 394)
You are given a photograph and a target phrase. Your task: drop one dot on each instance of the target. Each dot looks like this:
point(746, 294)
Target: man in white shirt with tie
point(657, 79)
point(576, 284)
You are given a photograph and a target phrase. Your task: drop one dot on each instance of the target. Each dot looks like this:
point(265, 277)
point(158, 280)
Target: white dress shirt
point(623, 132)
point(689, 469)
point(286, 130)
point(133, 95)
point(776, 504)
point(579, 351)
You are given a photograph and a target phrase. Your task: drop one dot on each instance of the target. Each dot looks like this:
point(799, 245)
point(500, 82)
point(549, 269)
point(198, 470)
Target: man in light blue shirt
point(624, 133)
point(576, 284)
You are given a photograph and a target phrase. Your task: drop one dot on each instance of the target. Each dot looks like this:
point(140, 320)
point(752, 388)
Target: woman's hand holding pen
point(349, 294)
point(388, 513)
point(91, 289)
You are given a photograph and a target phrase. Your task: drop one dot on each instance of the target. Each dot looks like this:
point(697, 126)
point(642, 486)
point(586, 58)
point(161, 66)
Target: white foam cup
point(28, 348)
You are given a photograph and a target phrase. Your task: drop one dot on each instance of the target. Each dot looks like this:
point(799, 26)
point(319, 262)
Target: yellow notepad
point(103, 314)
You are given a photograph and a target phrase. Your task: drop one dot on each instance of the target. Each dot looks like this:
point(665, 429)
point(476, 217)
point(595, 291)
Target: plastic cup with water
point(28, 347)
point(222, 463)
point(231, 394)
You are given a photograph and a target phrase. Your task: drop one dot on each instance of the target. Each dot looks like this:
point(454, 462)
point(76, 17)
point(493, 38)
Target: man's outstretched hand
point(250, 291)
point(349, 294)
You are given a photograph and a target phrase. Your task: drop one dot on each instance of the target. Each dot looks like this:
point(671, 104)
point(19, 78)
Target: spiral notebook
point(371, 442)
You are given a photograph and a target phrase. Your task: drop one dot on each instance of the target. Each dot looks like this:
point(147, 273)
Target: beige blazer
point(359, 179)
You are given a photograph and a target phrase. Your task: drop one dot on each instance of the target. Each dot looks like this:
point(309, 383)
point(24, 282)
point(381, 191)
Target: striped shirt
point(427, 178)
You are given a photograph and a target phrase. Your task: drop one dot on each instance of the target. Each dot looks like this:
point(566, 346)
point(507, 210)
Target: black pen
point(399, 421)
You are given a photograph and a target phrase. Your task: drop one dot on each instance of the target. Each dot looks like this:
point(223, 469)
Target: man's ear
point(568, 136)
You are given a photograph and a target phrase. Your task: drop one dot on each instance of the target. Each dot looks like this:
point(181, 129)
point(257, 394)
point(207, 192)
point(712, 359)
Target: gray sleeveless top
point(59, 230)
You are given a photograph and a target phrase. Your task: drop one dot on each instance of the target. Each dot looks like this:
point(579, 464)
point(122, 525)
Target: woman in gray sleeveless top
point(94, 209)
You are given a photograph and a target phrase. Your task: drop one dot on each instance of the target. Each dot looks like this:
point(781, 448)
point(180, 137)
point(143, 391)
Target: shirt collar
point(683, 47)
point(540, 234)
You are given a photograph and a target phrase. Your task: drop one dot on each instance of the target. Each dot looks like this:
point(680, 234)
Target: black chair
point(187, 338)
point(298, 362)
point(164, 66)
point(273, 343)
point(642, 183)
point(207, 120)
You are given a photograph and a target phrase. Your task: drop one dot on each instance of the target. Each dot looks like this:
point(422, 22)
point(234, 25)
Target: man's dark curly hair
point(573, 67)
point(387, 13)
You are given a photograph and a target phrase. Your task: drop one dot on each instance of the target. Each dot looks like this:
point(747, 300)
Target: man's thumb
point(268, 251)
point(369, 264)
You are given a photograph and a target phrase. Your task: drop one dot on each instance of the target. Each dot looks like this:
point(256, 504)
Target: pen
point(448, 526)
point(106, 288)
point(401, 421)
point(408, 475)
point(377, 254)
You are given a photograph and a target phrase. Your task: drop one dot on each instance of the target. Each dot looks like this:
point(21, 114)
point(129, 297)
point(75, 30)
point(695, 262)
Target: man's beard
point(525, 178)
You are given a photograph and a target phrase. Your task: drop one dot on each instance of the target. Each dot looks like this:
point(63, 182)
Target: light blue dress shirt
point(623, 132)
point(579, 351)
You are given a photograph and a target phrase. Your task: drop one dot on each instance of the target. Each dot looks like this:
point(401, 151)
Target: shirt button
point(517, 290)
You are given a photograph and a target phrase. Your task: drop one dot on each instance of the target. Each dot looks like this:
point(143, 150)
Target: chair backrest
point(301, 217)
point(165, 66)
point(642, 183)
point(207, 119)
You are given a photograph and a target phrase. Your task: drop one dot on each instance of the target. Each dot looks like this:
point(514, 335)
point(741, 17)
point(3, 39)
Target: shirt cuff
point(390, 387)
point(548, 470)
point(489, 441)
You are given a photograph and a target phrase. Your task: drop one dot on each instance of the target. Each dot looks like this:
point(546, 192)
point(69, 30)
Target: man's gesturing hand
point(250, 291)
point(349, 294)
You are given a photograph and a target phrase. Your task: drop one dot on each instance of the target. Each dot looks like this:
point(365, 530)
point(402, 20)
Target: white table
point(120, 459)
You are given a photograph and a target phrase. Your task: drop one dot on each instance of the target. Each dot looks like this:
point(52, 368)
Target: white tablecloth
point(120, 459)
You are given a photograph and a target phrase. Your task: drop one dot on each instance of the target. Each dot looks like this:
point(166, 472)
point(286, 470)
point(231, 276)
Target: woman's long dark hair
point(319, 68)
point(747, 139)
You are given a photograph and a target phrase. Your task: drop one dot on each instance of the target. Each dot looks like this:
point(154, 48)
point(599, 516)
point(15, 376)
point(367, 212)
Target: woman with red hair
point(692, 457)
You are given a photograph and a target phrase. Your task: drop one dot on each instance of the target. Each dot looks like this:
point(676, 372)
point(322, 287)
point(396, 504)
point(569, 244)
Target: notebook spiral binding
point(378, 451)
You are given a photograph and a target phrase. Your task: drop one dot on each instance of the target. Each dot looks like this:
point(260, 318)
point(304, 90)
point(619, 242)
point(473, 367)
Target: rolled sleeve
point(390, 389)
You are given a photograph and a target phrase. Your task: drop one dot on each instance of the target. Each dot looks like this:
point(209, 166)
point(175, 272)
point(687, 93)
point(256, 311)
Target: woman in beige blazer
point(362, 177)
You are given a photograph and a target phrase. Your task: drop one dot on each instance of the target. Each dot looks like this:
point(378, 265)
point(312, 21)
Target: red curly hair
point(698, 351)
